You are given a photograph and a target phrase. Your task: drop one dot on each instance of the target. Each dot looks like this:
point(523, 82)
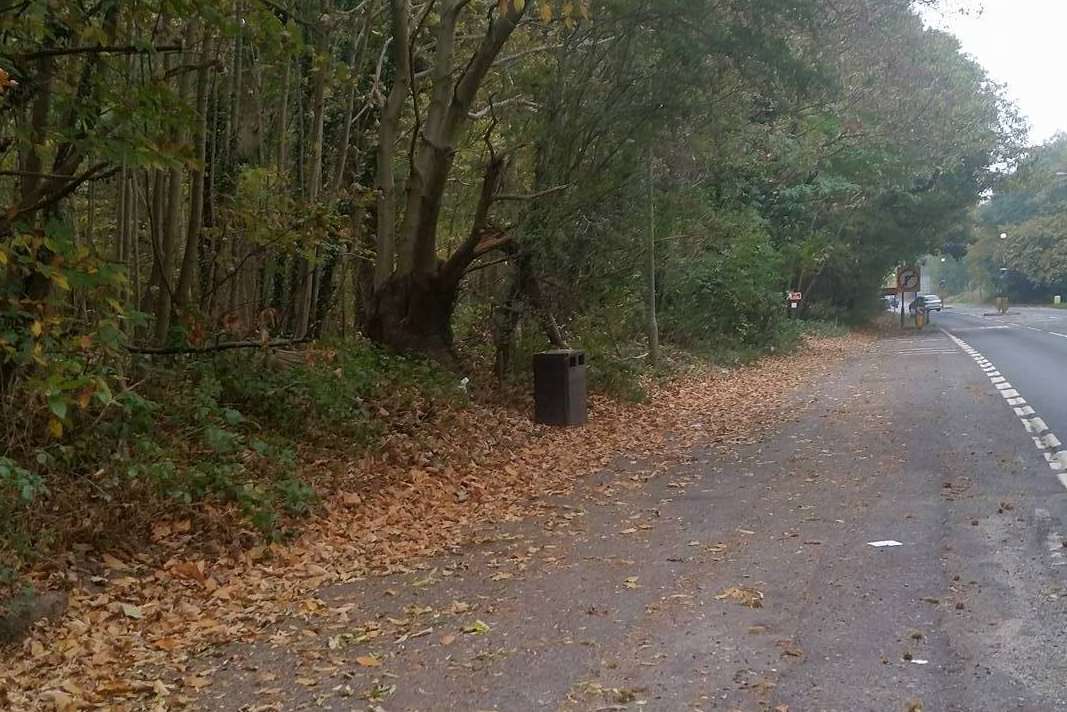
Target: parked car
point(930, 302)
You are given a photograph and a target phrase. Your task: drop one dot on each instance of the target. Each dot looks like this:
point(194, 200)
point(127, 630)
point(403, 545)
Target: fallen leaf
point(745, 595)
point(114, 563)
point(369, 661)
point(61, 701)
point(190, 570)
point(477, 628)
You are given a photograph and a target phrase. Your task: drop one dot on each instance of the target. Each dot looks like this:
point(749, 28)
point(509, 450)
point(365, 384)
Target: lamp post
point(1002, 300)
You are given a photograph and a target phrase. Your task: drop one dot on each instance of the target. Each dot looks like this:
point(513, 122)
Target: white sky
point(1021, 43)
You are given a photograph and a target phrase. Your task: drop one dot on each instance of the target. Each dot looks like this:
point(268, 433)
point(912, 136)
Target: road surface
point(746, 579)
point(1029, 347)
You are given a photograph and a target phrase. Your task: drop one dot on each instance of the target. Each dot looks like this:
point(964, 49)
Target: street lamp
point(1002, 300)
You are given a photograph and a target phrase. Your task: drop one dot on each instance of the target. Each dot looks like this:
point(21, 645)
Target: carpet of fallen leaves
point(137, 622)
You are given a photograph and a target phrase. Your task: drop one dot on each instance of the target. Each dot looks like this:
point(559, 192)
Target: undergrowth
point(225, 431)
point(234, 432)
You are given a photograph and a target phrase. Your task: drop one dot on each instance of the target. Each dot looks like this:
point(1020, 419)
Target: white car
point(930, 302)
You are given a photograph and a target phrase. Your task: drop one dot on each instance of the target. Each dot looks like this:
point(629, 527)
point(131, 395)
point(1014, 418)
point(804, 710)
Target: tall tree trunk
point(196, 186)
point(411, 309)
point(388, 131)
point(653, 318)
point(309, 277)
point(282, 158)
point(168, 252)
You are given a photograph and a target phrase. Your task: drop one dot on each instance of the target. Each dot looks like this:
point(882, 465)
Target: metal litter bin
point(559, 387)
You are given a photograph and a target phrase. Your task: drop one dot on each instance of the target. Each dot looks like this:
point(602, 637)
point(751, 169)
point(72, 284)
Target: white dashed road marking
point(1044, 439)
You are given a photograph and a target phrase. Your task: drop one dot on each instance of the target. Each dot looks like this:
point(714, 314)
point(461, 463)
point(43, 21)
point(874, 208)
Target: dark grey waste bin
point(559, 387)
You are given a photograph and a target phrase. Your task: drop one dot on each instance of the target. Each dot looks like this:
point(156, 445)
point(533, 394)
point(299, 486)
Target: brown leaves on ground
point(137, 623)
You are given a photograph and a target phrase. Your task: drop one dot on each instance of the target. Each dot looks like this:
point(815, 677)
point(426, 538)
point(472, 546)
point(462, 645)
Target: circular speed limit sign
point(908, 279)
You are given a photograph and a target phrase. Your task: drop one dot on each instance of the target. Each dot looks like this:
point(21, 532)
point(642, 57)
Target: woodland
point(236, 234)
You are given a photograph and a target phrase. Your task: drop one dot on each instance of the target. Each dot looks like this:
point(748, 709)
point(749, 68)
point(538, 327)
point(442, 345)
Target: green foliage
point(57, 371)
point(731, 289)
point(229, 434)
point(722, 134)
point(338, 391)
point(1031, 209)
point(19, 484)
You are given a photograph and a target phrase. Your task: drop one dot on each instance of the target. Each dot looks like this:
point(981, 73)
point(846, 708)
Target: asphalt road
point(746, 579)
point(1028, 346)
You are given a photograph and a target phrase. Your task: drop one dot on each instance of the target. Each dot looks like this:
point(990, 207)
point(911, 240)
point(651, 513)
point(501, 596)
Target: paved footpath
point(740, 580)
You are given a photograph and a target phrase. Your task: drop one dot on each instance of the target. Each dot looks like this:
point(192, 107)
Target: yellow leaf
point(61, 281)
point(546, 11)
point(3, 258)
point(519, 5)
point(37, 329)
point(55, 427)
point(369, 661)
point(85, 396)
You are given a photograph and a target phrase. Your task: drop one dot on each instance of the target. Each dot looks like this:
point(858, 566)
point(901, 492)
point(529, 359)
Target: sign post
point(908, 280)
point(794, 298)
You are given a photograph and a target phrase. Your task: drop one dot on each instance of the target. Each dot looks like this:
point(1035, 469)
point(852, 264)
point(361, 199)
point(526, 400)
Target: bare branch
point(532, 196)
point(227, 346)
point(95, 49)
point(511, 58)
point(482, 113)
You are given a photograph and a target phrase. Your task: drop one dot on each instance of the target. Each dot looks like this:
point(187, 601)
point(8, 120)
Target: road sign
point(796, 296)
point(908, 279)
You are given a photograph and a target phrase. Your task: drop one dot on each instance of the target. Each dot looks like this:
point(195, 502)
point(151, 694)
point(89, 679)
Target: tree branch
point(227, 346)
point(95, 49)
point(533, 196)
